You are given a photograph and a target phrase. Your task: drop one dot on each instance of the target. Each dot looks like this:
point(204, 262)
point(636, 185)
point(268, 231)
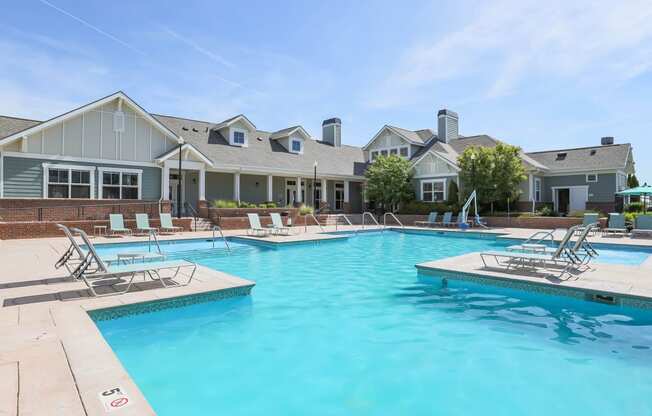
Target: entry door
point(174, 186)
point(578, 198)
point(290, 192)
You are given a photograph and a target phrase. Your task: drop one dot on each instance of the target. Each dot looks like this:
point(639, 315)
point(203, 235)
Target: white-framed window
point(339, 196)
point(384, 152)
point(68, 181)
point(393, 151)
point(404, 151)
point(621, 181)
point(238, 137)
point(119, 183)
point(296, 146)
point(591, 177)
point(374, 155)
point(537, 189)
point(433, 190)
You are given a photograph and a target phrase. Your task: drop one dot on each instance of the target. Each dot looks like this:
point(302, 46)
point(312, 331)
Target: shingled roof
point(585, 158)
point(10, 125)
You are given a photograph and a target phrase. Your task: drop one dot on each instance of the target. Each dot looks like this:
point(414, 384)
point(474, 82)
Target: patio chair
point(615, 226)
point(167, 225)
point(560, 256)
point(642, 226)
point(111, 275)
point(432, 220)
point(72, 257)
point(117, 225)
point(590, 218)
point(581, 252)
point(142, 224)
point(277, 224)
point(447, 219)
point(254, 226)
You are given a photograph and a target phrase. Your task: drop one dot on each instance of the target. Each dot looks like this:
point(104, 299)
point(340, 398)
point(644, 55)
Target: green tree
point(388, 181)
point(476, 167)
point(632, 181)
point(508, 172)
point(453, 193)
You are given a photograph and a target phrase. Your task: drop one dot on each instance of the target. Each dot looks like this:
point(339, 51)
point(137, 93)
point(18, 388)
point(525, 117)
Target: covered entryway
point(570, 198)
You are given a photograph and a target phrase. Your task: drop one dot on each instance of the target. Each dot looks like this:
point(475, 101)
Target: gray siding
point(191, 187)
point(253, 188)
point(23, 178)
point(601, 191)
point(355, 196)
point(219, 185)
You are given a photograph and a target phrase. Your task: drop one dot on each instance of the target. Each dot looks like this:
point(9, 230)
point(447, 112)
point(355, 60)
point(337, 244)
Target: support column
point(236, 186)
point(270, 188)
point(346, 205)
point(165, 184)
point(202, 184)
point(323, 200)
point(299, 199)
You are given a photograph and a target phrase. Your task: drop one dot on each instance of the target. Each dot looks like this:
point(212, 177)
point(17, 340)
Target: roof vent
point(606, 141)
point(593, 152)
point(184, 128)
point(195, 130)
point(561, 156)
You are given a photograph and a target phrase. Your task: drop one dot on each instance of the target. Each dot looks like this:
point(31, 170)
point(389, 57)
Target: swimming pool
point(349, 327)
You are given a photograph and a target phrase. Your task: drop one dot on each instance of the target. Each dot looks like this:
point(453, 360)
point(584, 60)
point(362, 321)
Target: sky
point(540, 75)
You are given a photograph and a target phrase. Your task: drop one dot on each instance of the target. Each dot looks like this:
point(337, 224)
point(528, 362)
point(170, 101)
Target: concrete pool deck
point(53, 359)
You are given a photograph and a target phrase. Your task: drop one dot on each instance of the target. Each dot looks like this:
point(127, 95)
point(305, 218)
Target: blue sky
point(541, 75)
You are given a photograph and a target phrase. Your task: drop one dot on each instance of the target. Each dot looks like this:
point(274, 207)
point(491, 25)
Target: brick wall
point(12, 210)
point(39, 229)
point(536, 222)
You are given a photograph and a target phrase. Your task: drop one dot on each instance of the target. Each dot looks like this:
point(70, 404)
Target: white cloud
point(506, 42)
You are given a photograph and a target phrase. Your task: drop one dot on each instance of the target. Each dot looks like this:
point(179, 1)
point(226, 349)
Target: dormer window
point(296, 146)
point(561, 156)
point(238, 138)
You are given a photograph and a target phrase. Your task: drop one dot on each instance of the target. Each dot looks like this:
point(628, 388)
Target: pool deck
point(53, 359)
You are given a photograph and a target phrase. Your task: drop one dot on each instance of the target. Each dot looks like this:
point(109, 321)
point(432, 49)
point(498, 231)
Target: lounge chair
point(642, 226)
point(581, 252)
point(72, 257)
point(560, 256)
point(432, 220)
point(142, 224)
point(616, 225)
point(254, 226)
point(277, 224)
point(590, 218)
point(104, 274)
point(447, 220)
point(117, 225)
point(166, 224)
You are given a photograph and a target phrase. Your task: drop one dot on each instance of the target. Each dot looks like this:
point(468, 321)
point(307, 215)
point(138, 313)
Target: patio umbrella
point(644, 191)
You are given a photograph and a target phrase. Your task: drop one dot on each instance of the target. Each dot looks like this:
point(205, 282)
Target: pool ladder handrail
point(152, 234)
point(542, 236)
point(219, 229)
point(305, 222)
point(348, 221)
point(391, 214)
point(364, 214)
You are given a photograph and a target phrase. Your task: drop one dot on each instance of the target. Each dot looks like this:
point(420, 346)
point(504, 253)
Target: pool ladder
point(152, 236)
point(391, 214)
point(219, 230)
point(347, 220)
point(370, 215)
point(305, 222)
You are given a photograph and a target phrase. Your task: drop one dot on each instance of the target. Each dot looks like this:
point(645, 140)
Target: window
point(374, 155)
point(339, 196)
point(537, 190)
point(393, 151)
point(239, 138)
point(592, 177)
point(404, 151)
point(61, 181)
point(621, 182)
point(383, 152)
point(296, 146)
point(433, 191)
point(561, 156)
point(120, 183)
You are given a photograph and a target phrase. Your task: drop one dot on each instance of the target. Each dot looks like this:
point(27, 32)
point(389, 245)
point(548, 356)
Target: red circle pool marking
point(119, 402)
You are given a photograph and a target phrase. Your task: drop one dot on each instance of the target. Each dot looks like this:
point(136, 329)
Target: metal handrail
point(544, 235)
point(152, 234)
point(193, 211)
point(348, 221)
point(393, 216)
point(320, 209)
point(364, 214)
point(226, 243)
point(305, 222)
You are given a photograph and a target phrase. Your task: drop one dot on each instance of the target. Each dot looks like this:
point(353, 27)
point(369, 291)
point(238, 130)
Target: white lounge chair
point(142, 224)
point(74, 255)
point(254, 226)
point(432, 220)
point(117, 225)
point(581, 252)
point(277, 224)
point(166, 224)
point(616, 225)
point(110, 275)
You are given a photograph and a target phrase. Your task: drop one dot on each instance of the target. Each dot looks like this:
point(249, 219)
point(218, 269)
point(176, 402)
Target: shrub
point(453, 193)
point(305, 209)
point(225, 203)
point(634, 207)
point(546, 211)
point(270, 204)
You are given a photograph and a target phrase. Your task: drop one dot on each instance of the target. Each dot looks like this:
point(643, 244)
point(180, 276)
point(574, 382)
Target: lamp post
point(314, 186)
point(179, 180)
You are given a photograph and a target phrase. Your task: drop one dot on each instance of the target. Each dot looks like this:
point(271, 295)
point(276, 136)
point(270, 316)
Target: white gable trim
point(448, 162)
point(188, 148)
point(389, 128)
point(242, 118)
point(90, 106)
point(297, 129)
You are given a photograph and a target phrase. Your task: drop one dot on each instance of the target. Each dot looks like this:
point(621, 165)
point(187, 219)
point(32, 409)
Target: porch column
point(236, 186)
point(299, 200)
point(165, 184)
point(346, 192)
point(324, 190)
point(202, 184)
point(270, 190)
point(531, 186)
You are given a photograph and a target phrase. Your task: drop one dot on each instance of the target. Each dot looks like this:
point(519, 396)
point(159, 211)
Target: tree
point(632, 181)
point(508, 172)
point(388, 181)
point(476, 166)
point(453, 194)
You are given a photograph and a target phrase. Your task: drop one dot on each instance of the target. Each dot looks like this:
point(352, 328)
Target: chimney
point(331, 131)
point(606, 141)
point(447, 125)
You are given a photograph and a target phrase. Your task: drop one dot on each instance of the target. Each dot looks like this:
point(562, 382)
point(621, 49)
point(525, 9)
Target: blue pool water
point(349, 327)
